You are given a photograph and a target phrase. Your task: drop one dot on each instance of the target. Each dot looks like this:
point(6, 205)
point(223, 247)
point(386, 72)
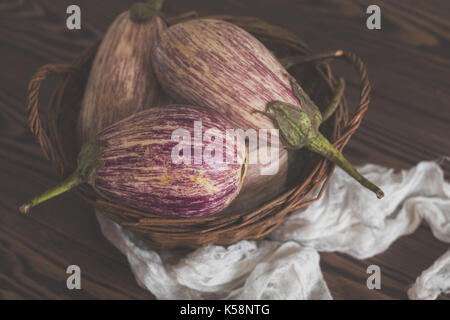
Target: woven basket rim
point(249, 225)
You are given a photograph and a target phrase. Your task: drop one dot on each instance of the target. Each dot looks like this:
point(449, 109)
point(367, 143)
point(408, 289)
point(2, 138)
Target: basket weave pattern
point(58, 143)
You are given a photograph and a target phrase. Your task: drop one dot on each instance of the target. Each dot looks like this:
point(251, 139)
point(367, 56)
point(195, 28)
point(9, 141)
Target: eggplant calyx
point(299, 130)
point(89, 160)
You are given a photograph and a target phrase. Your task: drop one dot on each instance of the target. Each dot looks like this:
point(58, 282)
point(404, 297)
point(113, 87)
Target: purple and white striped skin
point(121, 80)
point(138, 170)
point(214, 63)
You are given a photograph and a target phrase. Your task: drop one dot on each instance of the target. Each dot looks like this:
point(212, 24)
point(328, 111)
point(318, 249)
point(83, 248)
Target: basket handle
point(354, 122)
point(32, 103)
point(364, 100)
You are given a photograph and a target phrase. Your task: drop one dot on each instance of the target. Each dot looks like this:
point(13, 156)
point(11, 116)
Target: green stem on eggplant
point(322, 146)
point(141, 12)
point(298, 130)
point(88, 164)
point(68, 184)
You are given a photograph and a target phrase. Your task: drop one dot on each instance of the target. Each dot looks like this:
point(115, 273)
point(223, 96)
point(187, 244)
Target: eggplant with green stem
point(135, 162)
point(209, 62)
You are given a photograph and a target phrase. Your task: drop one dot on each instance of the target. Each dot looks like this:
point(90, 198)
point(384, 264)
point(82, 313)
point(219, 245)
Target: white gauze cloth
point(347, 218)
point(433, 281)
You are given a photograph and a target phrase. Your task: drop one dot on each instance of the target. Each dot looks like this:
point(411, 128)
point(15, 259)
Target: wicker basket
point(57, 141)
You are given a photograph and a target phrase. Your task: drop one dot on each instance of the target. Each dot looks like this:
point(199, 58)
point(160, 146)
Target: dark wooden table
point(408, 121)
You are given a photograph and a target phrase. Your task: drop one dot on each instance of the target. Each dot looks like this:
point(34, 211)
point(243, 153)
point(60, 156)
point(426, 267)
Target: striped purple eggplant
point(131, 162)
point(214, 63)
point(121, 80)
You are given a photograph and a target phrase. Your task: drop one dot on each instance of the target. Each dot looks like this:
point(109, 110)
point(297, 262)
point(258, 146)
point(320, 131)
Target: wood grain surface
point(408, 121)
